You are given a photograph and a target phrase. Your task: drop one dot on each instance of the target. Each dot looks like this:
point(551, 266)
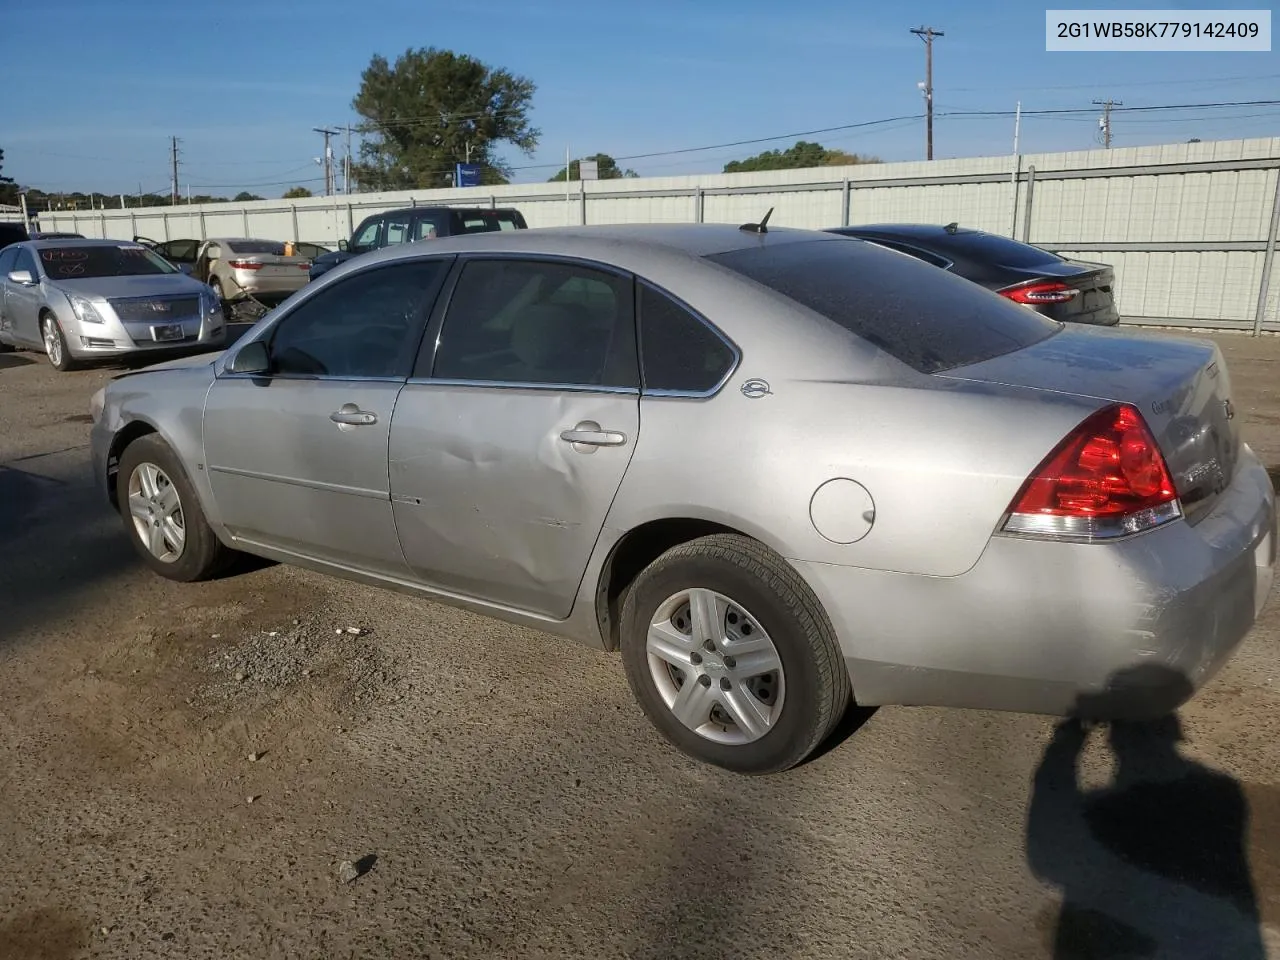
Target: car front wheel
point(731, 656)
point(163, 516)
point(55, 344)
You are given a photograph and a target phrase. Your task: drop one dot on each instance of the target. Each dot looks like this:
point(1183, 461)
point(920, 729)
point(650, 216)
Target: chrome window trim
point(306, 377)
point(511, 385)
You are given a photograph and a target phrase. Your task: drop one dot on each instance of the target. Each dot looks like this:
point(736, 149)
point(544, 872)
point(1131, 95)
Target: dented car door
point(510, 441)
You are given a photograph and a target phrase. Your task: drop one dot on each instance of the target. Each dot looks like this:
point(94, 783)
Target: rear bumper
point(268, 286)
point(1124, 630)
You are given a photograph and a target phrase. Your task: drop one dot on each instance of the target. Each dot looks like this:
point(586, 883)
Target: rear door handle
point(349, 415)
point(590, 434)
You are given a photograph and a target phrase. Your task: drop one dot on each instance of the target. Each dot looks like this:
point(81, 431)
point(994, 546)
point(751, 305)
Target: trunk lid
point(1181, 387)
point(271, 264)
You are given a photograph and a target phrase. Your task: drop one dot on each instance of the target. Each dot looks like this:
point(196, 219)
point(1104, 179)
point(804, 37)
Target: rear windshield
point(991, 248)
point(487, 221)
point(256, 246)
point(86, 263)
point(924, 317)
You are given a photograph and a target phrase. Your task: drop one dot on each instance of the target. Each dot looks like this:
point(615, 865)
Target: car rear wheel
point(731, 656)
point(162, 514)
point(55, 344)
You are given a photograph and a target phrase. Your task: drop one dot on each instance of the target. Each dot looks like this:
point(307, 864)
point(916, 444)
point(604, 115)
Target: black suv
point(13, 232)
point(411, 224)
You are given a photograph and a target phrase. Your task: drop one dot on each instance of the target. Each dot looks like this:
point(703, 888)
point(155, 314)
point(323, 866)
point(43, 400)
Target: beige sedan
point(239, 267)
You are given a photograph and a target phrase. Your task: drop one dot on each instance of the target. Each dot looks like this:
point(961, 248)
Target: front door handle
point(589, 434)
point(349, 415)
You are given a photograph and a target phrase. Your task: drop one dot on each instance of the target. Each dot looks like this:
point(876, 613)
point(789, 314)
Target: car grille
point(156, 309)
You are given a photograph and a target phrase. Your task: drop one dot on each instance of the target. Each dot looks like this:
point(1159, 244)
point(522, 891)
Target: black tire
point(65, 361)
point(770, 591)
point(203, 556)
point(7, 347)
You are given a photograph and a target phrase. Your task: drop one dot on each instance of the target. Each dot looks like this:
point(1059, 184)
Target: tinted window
point(26, 262)
point(486, 221)
point(678, 351)
point(916, 252)
point(429, 227)
point(256, 246)
point(7, 259)
point(397, 229)
point(517, 321)
point(366, 325)
point(991, 248)
point(180, 250)
point(927, 318)
point(83, 263)
point(367, 238)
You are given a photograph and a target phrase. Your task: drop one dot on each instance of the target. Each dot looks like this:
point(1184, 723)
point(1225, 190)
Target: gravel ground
point(277, 764)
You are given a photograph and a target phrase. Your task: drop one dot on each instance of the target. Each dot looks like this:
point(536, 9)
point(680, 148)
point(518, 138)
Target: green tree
point(608, 168)
point(433, 109)
point(244, 196)
point(803, 154)
point(297, 193)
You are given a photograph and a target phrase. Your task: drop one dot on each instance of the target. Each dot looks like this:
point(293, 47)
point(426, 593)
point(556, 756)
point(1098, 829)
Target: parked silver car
point(775, 469)
point(237, 267)
point(80, 300)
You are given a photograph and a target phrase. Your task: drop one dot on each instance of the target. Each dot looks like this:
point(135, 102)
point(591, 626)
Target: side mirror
point(251, 358)
point(23, 277)
point(185, 268)
point(343, 245)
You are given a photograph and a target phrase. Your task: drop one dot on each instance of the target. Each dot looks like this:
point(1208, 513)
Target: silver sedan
point(778, 470)
point(80, 300)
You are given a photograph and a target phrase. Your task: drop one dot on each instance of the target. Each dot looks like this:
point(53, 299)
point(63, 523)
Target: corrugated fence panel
point(1186, 202)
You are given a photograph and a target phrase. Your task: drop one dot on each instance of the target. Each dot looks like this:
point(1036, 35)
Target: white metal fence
point(1190, 228)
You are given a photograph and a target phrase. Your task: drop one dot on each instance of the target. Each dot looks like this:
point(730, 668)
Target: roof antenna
point(758, 227)
point(952, 227)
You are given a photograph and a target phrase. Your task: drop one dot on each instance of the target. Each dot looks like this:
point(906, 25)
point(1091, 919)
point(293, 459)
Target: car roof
point(39, 244)
point(917, 231)
point(440, 208)
point(238, 240)
point(611, 243)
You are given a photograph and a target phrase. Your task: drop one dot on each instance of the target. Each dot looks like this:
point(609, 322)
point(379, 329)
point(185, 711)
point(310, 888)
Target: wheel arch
point(634, 551)
point(131, 431)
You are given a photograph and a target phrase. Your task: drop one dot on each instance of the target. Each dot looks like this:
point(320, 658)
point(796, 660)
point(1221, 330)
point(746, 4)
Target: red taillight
point(1108, 478)
point(244, 265)
point(1035, 293)
point(304, 266)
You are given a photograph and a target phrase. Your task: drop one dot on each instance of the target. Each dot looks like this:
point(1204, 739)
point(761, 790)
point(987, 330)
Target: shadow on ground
point(1154, 864)
point(10, 360)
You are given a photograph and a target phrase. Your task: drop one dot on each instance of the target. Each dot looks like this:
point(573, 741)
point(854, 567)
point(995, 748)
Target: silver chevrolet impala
point(778, 470)
point(80, 300)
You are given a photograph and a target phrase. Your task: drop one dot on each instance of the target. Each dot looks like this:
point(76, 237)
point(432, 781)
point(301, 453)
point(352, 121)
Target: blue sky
point(243, 85)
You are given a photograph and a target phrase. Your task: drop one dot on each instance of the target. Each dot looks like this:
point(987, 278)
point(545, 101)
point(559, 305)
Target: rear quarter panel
point(941, 464)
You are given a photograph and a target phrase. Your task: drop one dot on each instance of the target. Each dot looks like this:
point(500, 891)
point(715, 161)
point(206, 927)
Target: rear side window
point(994, 249)
point(927, 318)
point(679, 352)
point(486, 221)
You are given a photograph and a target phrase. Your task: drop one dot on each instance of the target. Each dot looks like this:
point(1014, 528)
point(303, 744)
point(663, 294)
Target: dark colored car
point(57, 236)
point(13, 231)
point(1071, 291)
point(411, 224)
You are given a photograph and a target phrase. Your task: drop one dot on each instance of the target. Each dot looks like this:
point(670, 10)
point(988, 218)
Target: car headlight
point(212, 307)
point(86, 312)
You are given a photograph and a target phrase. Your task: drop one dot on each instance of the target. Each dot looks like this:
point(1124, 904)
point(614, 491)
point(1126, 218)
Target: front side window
point(366, 325)
point(529, 321)
point(103, 260)
point(678, 351)
point(7, 260)
point(367, 238)
point(26, 262)
point(428, 227)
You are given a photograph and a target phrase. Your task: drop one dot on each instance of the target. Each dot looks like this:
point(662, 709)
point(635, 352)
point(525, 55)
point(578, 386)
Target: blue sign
point(467, 175)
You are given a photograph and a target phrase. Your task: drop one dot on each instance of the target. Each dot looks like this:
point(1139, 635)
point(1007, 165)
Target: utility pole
point(1105, 121)
point(927, 34)
point(173, 159)
point(346, 164)
point(328, 158)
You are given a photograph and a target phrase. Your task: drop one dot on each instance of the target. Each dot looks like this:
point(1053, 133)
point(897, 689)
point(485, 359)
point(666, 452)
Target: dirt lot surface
point(183, 770)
